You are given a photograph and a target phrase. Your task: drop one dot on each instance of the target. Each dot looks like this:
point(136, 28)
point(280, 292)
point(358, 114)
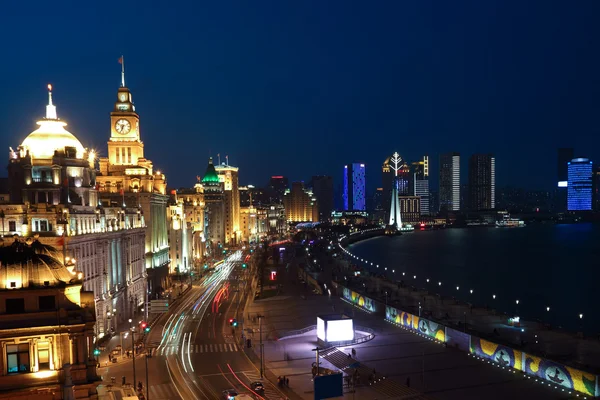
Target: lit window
point(17, 358)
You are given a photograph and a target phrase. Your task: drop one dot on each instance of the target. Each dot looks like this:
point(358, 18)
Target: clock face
point(123, 96)
point(122, 126)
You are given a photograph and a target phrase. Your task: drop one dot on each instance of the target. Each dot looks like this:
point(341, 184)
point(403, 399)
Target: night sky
point(300, 88)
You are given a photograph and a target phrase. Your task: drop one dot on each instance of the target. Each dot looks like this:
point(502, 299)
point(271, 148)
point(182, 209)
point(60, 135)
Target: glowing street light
point(547, 308)
point(471, 291)
point(493, 296)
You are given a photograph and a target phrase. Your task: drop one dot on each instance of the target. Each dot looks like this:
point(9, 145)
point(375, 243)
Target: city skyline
point(204, 99)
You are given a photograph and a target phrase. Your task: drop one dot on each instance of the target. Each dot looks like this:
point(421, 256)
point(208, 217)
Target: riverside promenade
point(432, 370)
point(536, 337)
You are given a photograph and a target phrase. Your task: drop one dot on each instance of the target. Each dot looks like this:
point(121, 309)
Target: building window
point(12, 226)
point(15, 306)
point(17, 358)
point(47, 302)
point(43, 355)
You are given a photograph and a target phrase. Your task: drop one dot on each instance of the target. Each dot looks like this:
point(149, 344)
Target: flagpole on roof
point(122, 61)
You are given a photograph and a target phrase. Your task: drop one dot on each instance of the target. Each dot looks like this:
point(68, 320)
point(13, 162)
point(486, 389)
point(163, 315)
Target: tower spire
point(50, 108)
point(122, 62)
point(395, 218)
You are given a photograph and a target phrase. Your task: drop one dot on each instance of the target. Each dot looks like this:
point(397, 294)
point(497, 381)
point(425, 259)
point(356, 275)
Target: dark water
point(556, 266)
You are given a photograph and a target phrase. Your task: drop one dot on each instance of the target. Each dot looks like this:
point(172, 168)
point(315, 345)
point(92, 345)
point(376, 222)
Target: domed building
point(46, 324)
point(51, 166)
point(53, 185)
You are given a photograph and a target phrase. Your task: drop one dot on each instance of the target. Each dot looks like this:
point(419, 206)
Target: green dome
point(210, 176)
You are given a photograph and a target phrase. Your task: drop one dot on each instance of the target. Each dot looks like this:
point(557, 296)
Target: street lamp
point(133, 350)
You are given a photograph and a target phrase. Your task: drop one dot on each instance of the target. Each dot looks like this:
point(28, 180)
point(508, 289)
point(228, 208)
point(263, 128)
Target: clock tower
point(125, 146)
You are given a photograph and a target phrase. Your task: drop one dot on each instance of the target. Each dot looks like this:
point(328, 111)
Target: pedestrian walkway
point(270, 392)
point(367, 376)
point(200, 348)
point(165, 391)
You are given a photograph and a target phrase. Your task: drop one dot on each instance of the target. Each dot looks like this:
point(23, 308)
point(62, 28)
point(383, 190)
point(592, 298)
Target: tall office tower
point(420, 186)
point(565, 155)
point(277, 187)
point(482, 182)
point(300, 204)
point(580, 184)
point(180, 235)
point(228, 176)
point(214, 209)
point(449, 182)
point(323, 190)
point(354, 195)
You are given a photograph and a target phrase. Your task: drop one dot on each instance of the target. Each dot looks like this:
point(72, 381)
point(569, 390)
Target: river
point(541, 265)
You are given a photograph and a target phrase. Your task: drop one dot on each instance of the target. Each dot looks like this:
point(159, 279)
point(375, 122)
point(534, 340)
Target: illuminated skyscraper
point(482, 182)
point(300, 204)
point(580, 185)
point(228, 175)
point(420, 186)
point(214, 209)
point(450, 182)
point(354, 187)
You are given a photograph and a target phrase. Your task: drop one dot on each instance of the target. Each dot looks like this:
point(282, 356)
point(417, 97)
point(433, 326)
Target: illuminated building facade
point(214, 210)
point(580, 185)
point(180, 236)
point(449, 194)
point(300, 204)
point(482, 182)
point(193, 208)
point(354, 195)
point(127, 179)
point(54, 197)
point(46, 326)
point(410, 209)
point(420, 183)
point(276, 218)
point(228, 176)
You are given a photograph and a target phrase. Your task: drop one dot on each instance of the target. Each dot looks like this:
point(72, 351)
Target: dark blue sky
point(300, 88)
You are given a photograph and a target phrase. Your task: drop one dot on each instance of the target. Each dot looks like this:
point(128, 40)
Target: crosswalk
point(200, 348)
point(270, 392)
point(165, 391)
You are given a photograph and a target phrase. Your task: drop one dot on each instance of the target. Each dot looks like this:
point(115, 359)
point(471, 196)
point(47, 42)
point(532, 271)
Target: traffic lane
point(226, 380)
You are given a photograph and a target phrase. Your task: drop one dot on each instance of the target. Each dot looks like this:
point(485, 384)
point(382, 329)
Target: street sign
point(159, 306)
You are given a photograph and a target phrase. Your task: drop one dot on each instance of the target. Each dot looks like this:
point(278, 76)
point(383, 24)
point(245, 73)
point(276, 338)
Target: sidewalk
point(294, 357)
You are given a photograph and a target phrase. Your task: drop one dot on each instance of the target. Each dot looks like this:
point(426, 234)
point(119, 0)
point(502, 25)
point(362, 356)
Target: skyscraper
point(228, 176)
point(323, 190)
point(580, 185)
point(354, 187)
point(450, 182)
point(277, 186)
point(420, 183)
point(214, 209)
point(300, 205)
point(482, 182)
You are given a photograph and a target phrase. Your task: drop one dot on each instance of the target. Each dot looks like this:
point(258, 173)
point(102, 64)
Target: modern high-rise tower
point(450, 182)
point(580, 185)
point(322, 187)
point(354, 198)
point(482, 182)
point(420, 183)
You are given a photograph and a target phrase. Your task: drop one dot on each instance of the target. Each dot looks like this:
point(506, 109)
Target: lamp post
point(317, 350)
point(148, 352)
point(260, 317)
point(133, 350)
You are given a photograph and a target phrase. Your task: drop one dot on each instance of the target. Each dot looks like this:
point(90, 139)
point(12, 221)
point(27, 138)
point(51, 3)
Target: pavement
point(531, 336)
point(433, 370)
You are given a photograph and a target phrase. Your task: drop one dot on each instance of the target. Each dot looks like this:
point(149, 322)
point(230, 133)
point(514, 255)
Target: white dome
point(51, 136)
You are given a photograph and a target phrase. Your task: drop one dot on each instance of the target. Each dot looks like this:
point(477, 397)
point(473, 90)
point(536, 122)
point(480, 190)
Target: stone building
point(46, 326)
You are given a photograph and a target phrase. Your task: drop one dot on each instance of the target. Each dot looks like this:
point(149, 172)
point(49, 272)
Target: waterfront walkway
point(397, 354)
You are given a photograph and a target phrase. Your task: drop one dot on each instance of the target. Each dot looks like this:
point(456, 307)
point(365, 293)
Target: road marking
point(197, 348)
point(211, 348)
